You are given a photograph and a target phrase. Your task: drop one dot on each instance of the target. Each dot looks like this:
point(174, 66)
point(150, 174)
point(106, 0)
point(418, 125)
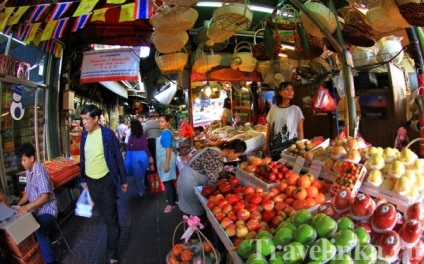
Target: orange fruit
point(290, 190)
point(186, 255)
point(304, 181)
point(177, 249)
point(172, 259)
point(310, 202)
point(289, 201)
point(299, 205)
point(312, 191)
point(292, 178)
point(300, 193)
point(318, 184)
point(207, 247)
point(320, 198)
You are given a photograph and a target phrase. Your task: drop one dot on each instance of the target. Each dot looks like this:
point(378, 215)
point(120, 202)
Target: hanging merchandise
point(285, 20)
point(356, 30)
point(203, 63)
point(186, 130)
point(322, 102)
point(172, 20)
point(302, 44)
point(319, 66)
point(323, 14)
point(363, 56)
point(412, 11)
point(389, 48)
point(379, 20)
point(171, 62)
point(238, 14)
point(391, 9)
point(220, 31)
point(17, 109)
point(168, 43)
point(243, 60)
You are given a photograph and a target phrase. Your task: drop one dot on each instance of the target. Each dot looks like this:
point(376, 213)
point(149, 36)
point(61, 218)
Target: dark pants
point(103, 194)
point(171, 194)
point(151, 143)
point(46, 222)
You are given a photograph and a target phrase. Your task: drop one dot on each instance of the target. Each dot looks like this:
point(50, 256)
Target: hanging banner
point(110, 65)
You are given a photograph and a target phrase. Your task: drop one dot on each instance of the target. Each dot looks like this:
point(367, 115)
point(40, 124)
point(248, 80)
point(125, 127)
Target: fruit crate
point(341, 178)
point(250, 179)
point(19, 250)
point(32, 257)
point(218, 229)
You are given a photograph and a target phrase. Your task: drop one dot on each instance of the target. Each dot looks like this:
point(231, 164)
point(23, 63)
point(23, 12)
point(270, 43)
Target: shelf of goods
point(218, 229)
point(62, 170)
point(399, 200)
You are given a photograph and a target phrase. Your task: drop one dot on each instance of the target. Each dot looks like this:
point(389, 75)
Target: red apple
point(256, 215)
point(277, 220)
point(253, 224)
point(251, 235)
point(230, 230)
point(255, 199)
point(243, 214)
point(415, 211)
point(232, 215)
point(222, 202)
point(259, 189)
point(410, 233)
point(240, 196)
point(211, 205)
point(233, 181)
point(231, 198)
point(219, 216)
point(240, 222)
point(238, 205)
point(268, 205)
point(225, 222)
point(280, 206)
point(280, 175)
point(267, 216)
point(272, 177)
point(326, 208)
point(238, 189)
point(248, 189)
point(289, 210)
point(217, 197)
point(252, 207)
point(227, 208)
point(236, 241)
point(216, 210)
point(277, 199)
point(241, 231)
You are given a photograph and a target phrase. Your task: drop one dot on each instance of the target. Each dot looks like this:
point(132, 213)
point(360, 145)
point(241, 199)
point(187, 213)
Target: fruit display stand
point(247, 178)
point(218, 229)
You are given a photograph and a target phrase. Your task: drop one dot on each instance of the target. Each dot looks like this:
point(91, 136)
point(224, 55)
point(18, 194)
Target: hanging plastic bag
point(85, 205)
point(186, 130)
point(338, 82)
point(322, 102)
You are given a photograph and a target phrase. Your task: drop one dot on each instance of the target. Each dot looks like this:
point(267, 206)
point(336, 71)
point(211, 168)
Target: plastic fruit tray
point(250, 179)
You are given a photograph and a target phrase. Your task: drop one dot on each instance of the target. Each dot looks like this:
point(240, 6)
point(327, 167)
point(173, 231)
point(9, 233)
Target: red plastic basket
point(32, 257)
point(19, 250)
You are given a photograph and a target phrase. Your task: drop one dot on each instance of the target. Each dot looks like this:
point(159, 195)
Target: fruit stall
point(339, 200)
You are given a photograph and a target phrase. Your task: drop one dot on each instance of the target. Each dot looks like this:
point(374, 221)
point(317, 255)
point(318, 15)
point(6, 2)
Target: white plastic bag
point(84, 205)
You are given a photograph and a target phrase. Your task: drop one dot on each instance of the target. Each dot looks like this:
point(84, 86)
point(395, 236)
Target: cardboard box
point(20, 227)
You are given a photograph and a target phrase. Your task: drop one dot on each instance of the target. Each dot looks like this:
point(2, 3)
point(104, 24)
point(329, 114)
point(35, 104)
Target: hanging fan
point(201, 37)
point(277, 72)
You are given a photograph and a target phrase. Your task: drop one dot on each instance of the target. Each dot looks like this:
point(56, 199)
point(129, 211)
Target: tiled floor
point(146, 235)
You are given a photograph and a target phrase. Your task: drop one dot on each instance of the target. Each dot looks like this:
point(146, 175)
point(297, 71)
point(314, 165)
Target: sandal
point(168, 209)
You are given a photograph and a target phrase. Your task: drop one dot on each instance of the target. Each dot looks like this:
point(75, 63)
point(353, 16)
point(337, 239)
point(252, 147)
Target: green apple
point(283, 236)
point(263, 234)
point(277, 258)
point(342, 259)
point(302, 217)
point(345, 240)
point(265, 246)
point(362, 234)
point(316, 218)
point(287, 224)
point(294, 253)
point(245, 248)
point(322, 250)
point(325, 226)
point(305, 234)
point(256, 258)
point(345, 223)
point(364, 254)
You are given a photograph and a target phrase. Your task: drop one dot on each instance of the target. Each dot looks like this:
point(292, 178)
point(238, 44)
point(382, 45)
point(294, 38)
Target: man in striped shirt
point(38, 199)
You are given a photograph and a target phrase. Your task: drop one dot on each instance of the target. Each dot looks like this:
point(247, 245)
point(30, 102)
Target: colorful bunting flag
point(48, 30)
point(47, 46)
point(115, 1)
point(80, 22)
point(23, 31)
point(33, 32)
point(60, 27)
point(143, 9)
point(99, 15)
point(126, 13)
point(37, 38)
point(85, 7)
point(59, 10)
point(38, 12)
point(58, 50)
point(7, 30)
point(4, 17)
point(14, 19)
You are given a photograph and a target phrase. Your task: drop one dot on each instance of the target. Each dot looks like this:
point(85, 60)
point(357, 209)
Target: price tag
point(298, 165)
point(316, 167)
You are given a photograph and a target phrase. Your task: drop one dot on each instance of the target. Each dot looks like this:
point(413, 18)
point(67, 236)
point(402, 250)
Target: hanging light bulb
point(208, 89)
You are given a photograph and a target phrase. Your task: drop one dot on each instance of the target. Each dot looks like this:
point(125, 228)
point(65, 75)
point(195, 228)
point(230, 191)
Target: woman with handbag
point(165, 160)
point(285, 122)
point(203, 168)
point(138, 154)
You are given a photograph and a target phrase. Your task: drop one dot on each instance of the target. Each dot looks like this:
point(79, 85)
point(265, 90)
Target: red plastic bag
point(322, 102)
point(155, 184)
point(186, 130)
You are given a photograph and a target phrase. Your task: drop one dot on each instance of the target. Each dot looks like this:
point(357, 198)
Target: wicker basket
point(286, 18)
point(238, 14)
point(174, 22)
point(220, 30)
point(392, 11)
point(243, 61)
point(404, 2)
point(167, 43)
point(365, 4)
point(181, 2)
point(323, 14)
point(171, 62)
point(413, 12)
point(379, 20)
point(203, 63)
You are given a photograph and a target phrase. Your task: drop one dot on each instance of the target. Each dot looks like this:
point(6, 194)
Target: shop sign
point(110, 65)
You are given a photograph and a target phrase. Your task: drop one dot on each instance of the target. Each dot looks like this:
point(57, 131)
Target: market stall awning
point(117, 88)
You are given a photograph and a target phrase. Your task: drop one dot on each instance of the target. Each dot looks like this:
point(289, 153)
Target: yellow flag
point(85, 7)
point(37, 38)
point(58, 50)
point(48, 30)
point(115, 1)
point(32, 32)
point(126, 13)
point(99, 14)
point(14, 19)
point(4, 17)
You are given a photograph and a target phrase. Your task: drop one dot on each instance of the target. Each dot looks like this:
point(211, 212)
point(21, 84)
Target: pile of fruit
point(346, 230)
point(350, 176)
point(192, 252)
point(243, 211)
point(301, 147)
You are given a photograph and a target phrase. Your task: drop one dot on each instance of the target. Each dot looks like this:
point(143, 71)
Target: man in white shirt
point(120, 133)
point(151, 127)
